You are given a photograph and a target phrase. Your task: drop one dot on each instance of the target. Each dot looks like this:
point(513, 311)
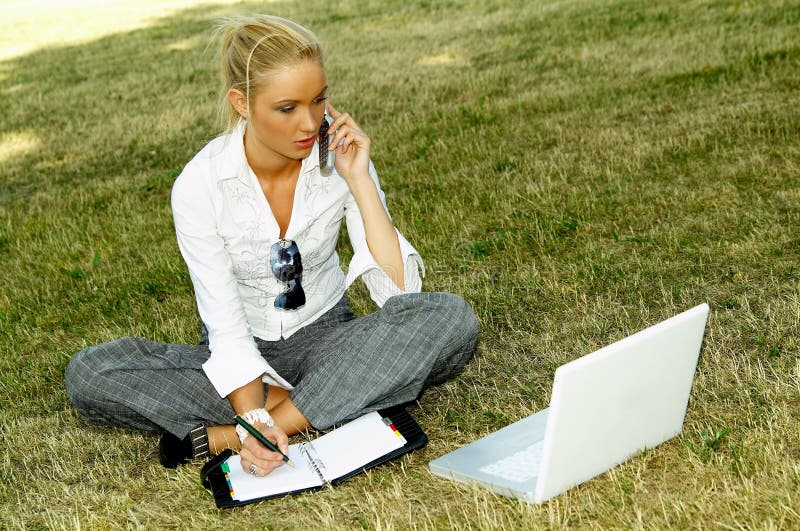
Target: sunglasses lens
point(284, 260)
point(292, 298)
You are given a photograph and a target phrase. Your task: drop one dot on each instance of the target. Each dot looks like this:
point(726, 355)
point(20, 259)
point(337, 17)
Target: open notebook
point(339, 454)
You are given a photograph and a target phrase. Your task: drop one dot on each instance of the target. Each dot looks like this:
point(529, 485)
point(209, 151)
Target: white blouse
point(225, 229)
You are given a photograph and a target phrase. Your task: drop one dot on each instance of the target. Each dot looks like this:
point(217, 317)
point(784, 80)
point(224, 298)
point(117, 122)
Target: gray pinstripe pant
point(341, 366)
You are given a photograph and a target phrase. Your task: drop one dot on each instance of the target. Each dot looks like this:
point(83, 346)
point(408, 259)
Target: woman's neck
point(267, 164)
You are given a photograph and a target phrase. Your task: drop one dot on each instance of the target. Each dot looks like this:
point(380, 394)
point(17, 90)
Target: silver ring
point(252, 469)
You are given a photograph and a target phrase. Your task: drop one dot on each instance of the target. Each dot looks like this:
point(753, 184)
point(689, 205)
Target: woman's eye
point(320, 99)
point(286, 110)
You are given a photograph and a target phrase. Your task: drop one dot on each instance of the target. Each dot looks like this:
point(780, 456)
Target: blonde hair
point(255, 45)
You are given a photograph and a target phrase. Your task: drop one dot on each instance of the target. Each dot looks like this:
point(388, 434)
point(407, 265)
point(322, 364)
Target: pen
point(260, 438)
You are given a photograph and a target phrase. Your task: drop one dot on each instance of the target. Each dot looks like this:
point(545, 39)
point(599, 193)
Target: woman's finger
point(332, 110)
point(344, 120)
point(340, 119)
point(262, 466)
point(348, 138)
point(279, 437)
point(251, 468)
point(257, 468)
point(338, 138)
point(257, 452)
point(348, 141)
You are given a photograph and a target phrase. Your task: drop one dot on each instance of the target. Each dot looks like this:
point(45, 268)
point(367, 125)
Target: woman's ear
point(238, 101)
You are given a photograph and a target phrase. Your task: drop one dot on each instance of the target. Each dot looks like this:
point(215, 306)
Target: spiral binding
point(316, 465)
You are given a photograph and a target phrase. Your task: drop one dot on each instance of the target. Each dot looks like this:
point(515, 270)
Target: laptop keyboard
point(521, 466)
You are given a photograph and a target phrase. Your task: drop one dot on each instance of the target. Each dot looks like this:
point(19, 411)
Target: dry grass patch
point(576, 170)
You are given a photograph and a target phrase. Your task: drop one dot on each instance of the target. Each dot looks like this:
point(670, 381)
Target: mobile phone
point(326, 158)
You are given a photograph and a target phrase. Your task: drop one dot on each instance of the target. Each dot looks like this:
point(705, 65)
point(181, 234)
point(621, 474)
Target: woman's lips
point(306, 143)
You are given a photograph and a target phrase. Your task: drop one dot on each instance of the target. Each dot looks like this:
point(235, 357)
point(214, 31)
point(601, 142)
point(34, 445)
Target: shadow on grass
point(85, 104)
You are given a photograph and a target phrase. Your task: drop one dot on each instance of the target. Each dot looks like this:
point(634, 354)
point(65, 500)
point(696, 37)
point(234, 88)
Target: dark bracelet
point(198, 437)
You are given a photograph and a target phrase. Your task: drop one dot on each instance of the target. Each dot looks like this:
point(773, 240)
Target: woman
point(257, 221)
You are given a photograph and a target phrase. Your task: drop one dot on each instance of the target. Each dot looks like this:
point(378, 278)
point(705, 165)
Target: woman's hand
point(255, 453)
point(352, 157)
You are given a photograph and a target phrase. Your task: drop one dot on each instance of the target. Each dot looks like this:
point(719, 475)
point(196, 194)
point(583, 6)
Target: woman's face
point(286, 111)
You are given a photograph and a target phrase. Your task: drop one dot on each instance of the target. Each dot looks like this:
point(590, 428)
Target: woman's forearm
point(248, 397)
point(380, 233)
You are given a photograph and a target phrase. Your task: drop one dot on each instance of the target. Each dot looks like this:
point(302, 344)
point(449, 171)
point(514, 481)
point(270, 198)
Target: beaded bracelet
point(258, 415)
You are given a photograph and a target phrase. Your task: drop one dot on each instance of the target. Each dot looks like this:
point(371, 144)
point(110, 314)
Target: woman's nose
point(310, 123)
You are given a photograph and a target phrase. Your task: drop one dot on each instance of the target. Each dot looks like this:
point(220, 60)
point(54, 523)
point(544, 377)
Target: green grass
point(577, 170)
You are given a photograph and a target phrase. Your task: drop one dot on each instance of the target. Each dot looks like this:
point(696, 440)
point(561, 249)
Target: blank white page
point(355, 444)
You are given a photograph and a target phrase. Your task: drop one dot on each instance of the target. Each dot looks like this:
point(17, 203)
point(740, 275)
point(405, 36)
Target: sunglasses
point(284, 260)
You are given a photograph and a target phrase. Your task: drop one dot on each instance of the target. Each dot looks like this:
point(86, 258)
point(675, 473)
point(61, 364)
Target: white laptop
point(605, 407)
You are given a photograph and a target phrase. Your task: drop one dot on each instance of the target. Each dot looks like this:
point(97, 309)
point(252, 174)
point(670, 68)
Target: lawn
point(577, 170)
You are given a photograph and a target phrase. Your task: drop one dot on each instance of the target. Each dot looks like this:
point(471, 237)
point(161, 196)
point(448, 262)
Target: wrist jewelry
point(198, 437)
point(253, 416)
